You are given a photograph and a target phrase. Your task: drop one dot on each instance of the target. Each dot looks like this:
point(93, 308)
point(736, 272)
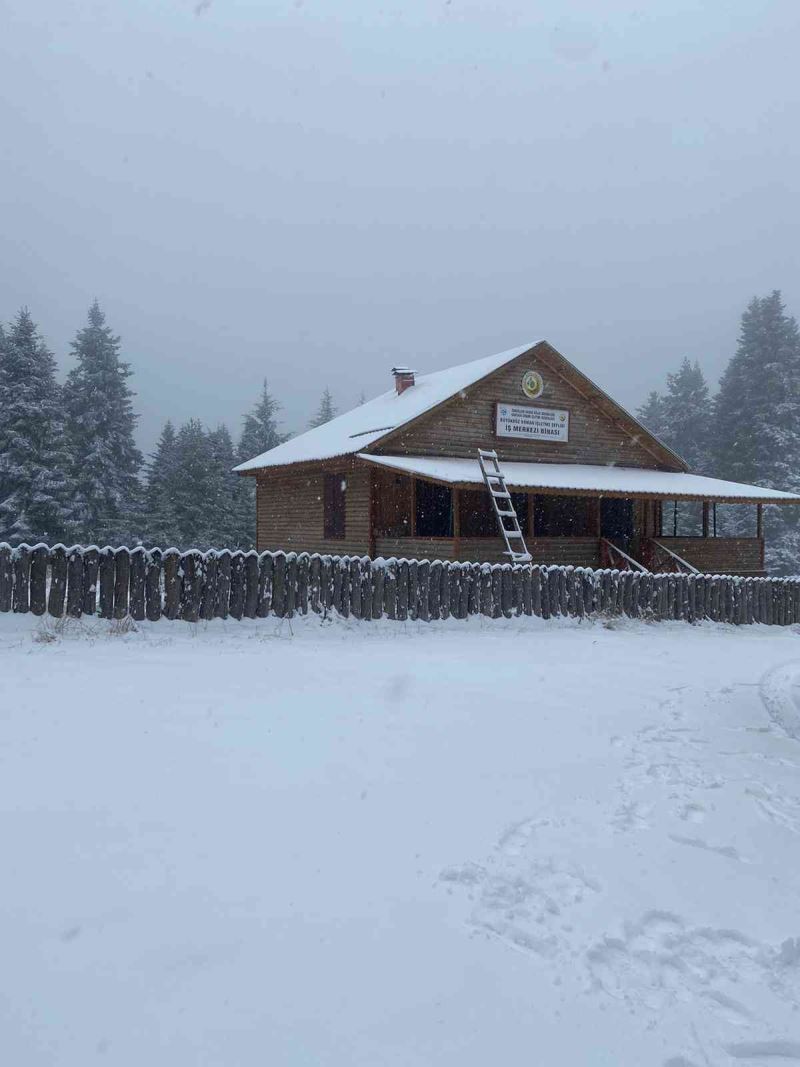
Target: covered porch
point(578, 514)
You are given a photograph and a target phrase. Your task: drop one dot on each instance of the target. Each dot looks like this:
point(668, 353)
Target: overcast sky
point(314, 190)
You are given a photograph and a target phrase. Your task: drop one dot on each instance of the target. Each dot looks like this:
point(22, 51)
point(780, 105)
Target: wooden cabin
point(399, 476)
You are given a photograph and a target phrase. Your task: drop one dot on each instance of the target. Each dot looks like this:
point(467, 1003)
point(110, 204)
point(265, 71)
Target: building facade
point(399, 476)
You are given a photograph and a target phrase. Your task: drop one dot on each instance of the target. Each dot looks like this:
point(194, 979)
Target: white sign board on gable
point(535, 424)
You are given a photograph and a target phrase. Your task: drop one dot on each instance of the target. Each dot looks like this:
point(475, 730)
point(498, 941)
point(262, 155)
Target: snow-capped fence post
point(6, 578)
point(434, 589)
point(22, 574)
point(378, 573)
point(423, 589)
point(291, 584)
point(122, 578)
point(191, 585)
point(354, 585)
point(506, 591)
point(222, 594)
point(38, 588)
point(265, 571)
point(315, 583)
point(444, 590)
point(136, 607)
point(74, 582)
point(279, 584)
point(301, 600)
point(91, 565)
point(402, 590)
point(58, 582)
point(152, 585)
point(365, 584)
point(497, 590)
point(251, 585)
point(208, 597)
point(236, 600)
point(106, 577)
point(171, 564)
point(390, 589)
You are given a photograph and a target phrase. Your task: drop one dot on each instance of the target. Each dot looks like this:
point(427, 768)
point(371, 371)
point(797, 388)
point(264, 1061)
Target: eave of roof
point(585, 479)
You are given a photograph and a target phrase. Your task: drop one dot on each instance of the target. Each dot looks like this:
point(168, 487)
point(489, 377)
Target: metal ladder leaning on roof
point(495, 482)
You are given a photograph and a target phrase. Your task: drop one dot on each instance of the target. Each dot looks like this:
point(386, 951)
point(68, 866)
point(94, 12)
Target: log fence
point(139, 583)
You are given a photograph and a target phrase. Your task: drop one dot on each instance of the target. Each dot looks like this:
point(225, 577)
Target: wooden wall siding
point(719, 555)
point(573, 551)
point(467, 423)
point(415, 547)
point(289, 509)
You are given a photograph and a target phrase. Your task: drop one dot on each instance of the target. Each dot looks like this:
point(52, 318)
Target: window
point(477, 517)
point(334, 505)
point(392, 505)
point(562, 516)
point(434, 510)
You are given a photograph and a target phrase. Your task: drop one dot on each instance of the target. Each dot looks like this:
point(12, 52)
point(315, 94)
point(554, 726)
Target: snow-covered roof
point(367, 423)
point(584, 477)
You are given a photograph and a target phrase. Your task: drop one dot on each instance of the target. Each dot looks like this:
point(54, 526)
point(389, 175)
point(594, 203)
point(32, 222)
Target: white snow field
point(395, 845)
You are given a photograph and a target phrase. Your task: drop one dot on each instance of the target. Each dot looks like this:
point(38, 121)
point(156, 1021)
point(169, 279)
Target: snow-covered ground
point(371, 844)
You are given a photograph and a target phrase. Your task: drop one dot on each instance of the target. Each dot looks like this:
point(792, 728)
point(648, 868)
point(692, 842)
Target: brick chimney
point(403, 378)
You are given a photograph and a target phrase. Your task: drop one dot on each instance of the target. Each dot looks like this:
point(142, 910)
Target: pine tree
point(33, 464)
point(325, 412)
point(681, 417)
point(225, 493)
point(259, 434)
point(100, 431)
point(757, 422)
point(652, 414)
point(194, 486)
point(159, 522)
point(260, 430)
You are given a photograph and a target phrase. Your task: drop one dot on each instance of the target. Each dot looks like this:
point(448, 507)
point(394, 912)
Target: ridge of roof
point(365, 425)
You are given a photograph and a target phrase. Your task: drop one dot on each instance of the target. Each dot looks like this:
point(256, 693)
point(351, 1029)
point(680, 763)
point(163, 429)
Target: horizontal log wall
point(731, 555)
point(148, 584)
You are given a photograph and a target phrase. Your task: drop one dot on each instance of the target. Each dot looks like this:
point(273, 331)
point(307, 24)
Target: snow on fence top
point(148, 584)
point(669, 485)
point(366, 424)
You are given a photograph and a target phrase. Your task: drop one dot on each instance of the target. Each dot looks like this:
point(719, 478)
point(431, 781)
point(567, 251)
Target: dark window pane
point(334, 505)
point(563, 516)
point(434, 510)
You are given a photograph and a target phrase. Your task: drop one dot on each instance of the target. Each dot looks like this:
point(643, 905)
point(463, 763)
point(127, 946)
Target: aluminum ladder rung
point(495, 482)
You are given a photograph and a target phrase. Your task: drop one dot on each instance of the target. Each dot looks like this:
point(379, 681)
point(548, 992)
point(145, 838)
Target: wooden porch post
point(715, 518)
point(598, 516)
point(413, 524)
point(760, 521)
point(456, 520)
point(373, 498)
point(706, 517)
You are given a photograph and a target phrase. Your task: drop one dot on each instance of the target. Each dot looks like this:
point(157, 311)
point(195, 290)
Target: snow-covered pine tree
point(325, 412)
point(757, 423)
point(681, 416)
point(193, 490)
point(652, 414)
point(162, 480)
point(33, 463)
point(227, 495)
point(100, 432)
point(259, 434)
point(260, 429)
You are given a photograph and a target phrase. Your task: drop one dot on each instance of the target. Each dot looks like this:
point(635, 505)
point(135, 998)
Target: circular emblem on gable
point(532, 384)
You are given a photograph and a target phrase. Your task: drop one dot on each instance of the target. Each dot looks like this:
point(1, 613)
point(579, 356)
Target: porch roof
point(586, 480)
